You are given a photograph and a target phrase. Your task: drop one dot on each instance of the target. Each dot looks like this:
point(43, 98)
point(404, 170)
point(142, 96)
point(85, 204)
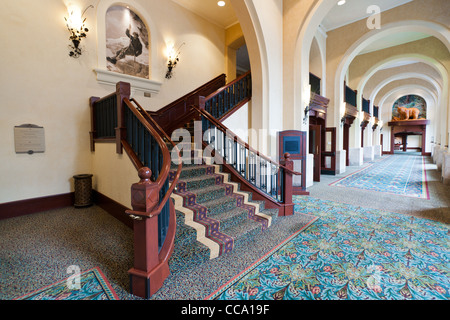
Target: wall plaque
point(29, 138)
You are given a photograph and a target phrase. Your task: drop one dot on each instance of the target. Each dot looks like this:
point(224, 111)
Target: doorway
point(315, 148)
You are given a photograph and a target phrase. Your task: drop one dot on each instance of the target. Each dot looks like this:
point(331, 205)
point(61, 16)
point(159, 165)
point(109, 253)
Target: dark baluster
point(241, 160)
point(225, 153)
point(129, 121)
point(264, 175)
point(235, 162)
point(163, 218)
point(207, 106)
point(141, 140)
point(155, 159)
point(227, 100)
point(252, 168)
point(273, 181)
point(220, 98)
point(216, 112)
point(281, 175)
point(147, 150)
point(133, 131)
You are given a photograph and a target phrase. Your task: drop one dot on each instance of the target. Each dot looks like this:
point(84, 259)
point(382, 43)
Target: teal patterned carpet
point(351, 253)
point(92, 285)
point(396, 174)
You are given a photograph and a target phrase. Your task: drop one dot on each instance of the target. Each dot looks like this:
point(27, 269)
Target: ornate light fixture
point(173, 60)
point(77, 29)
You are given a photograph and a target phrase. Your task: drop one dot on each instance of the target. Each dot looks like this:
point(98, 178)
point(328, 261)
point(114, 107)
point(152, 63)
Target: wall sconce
point(77, 29)
point(310, 96)
point(173, 60)
point(305, 118)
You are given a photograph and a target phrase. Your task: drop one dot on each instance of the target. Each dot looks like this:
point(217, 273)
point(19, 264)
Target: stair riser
point(235, 220)
point(229, 204)
point(221, 216)
point(192, 186)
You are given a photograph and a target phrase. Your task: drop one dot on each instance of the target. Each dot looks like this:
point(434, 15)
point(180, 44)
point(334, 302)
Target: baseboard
point(114, 208)
point(35, 205)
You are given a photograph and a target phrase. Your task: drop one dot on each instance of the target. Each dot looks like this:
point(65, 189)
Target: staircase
point(214, 208)
point(213, 214)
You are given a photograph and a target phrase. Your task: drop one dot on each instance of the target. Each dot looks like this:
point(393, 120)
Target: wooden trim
point(223, 128)
point(35, 205)
point(223, 88)
point(178, 113)
point(112, 207)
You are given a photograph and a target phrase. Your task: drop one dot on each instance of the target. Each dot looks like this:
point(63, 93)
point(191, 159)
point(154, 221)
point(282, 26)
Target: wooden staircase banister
point(153, 212)
point(225, 101)
point(219, 79)
point(167, 168)
point(275, 188)
point(149, 199)
point(177, 113)
point(228, 85)
point(239, 140)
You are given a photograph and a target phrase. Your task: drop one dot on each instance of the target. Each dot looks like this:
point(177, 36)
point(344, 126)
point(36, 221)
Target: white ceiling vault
point(208, 9)
point(355, 10)
point(339, 16)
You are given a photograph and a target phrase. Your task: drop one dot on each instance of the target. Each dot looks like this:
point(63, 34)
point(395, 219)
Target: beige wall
point(40, 84)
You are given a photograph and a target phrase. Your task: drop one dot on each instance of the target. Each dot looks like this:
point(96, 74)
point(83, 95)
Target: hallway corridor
point(436, 208)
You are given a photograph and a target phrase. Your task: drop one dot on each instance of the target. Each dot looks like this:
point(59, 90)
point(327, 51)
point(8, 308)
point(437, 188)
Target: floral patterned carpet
point(90, 285)
point(396, 174)
point(351, 253)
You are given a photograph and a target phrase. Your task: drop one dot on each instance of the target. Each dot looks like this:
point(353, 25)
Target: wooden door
point(315, 148)
point(329, 152)
point(346, 139)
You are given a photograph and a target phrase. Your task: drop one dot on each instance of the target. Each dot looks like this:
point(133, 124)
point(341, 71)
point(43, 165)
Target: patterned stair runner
point(215, 215)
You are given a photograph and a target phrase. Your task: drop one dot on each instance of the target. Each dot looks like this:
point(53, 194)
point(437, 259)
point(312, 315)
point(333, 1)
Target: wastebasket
point(83, 190)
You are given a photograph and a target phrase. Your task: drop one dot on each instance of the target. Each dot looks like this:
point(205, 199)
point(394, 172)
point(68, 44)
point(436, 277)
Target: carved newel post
point(146, 277)
point(288, 185)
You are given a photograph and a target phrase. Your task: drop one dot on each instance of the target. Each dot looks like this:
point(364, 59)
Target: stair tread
point(207, 189)
point(229, 214)
point(242, 229)
point(233, 221)
point(220, 201)
point(198, 178)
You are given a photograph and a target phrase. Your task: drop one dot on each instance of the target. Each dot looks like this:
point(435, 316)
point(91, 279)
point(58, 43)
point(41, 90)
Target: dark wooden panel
point(35, 205)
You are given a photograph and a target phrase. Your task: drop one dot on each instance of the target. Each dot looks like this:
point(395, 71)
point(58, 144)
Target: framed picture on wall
point(127, 43)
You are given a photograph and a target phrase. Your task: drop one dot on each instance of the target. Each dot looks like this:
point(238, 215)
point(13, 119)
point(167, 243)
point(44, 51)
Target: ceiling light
point(341, 2)
point(221, 3)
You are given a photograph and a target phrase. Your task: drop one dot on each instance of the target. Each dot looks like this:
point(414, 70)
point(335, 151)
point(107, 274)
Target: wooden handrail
point(186, 96)
point(164, 174)
point(153, 213)
point(239, 140)
point(228, 85)
point(225, 101)
point(176, 114)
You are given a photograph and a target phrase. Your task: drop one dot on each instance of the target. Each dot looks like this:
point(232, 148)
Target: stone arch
point(402, 76)
point(390, 97)
point(318, 67)
point(433, 29)
point(400, 91)
point(305, 35)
